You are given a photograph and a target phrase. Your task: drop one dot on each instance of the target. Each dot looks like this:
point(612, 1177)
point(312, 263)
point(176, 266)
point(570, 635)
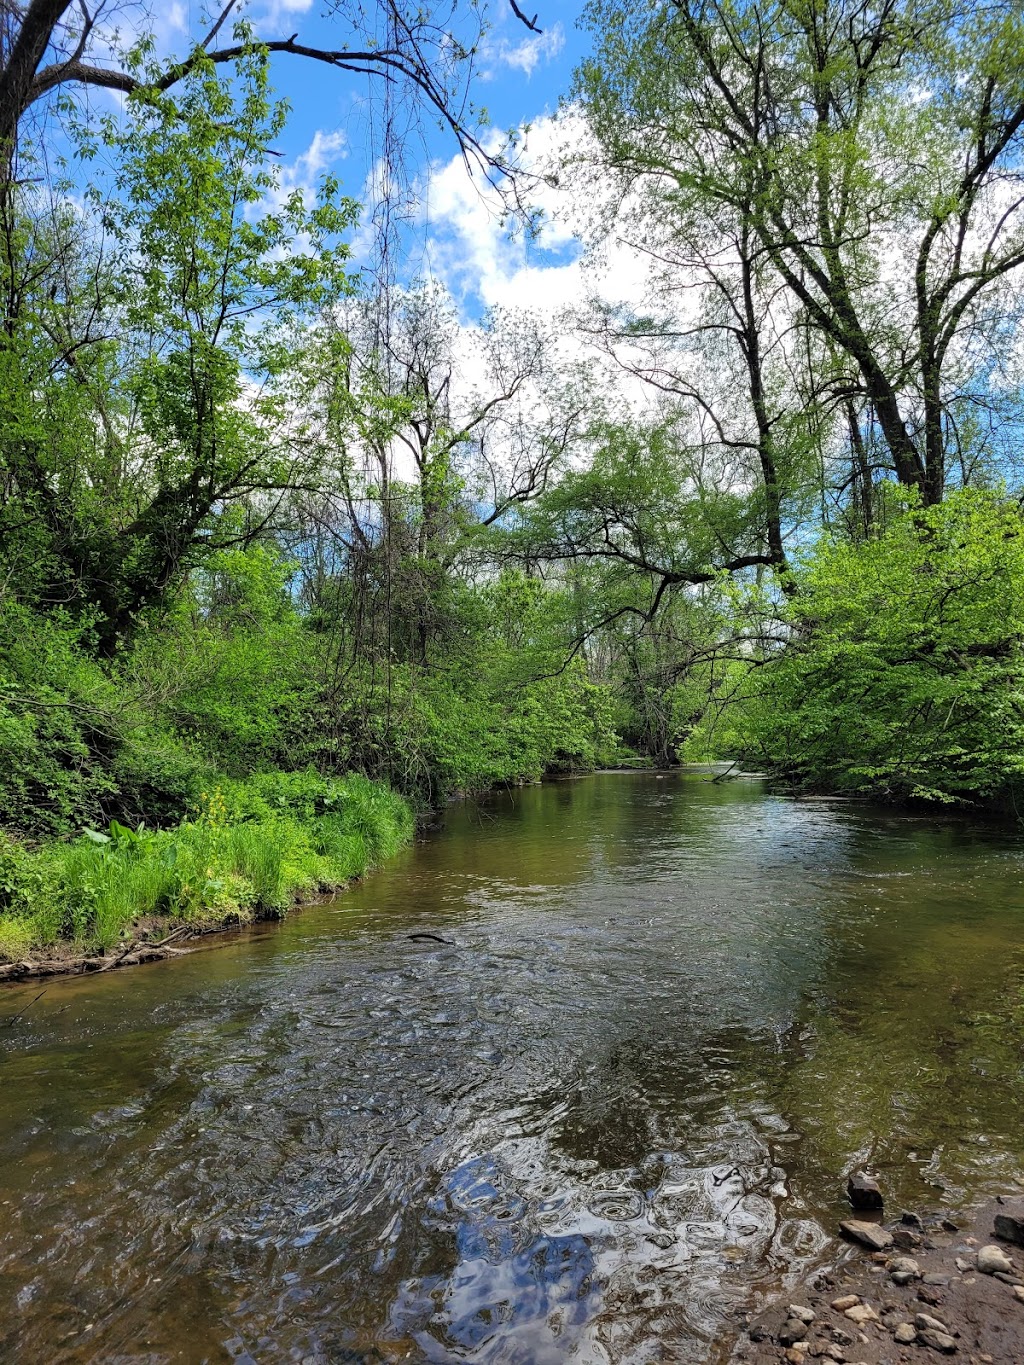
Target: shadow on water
point(616, 1109)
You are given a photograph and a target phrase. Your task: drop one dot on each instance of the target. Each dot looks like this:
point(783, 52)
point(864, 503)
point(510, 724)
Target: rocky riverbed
point(914, 1290)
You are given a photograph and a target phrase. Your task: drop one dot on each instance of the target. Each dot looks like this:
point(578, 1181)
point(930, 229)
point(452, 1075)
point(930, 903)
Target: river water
point(614, 1110)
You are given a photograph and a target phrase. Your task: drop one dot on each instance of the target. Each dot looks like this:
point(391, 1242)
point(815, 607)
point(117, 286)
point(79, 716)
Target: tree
point(145, 372)
point(873, 153)
point(429, 434)
point(713, 344)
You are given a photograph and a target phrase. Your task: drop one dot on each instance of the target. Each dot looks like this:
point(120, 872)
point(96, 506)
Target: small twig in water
point(21, 1014)
point(419, 938)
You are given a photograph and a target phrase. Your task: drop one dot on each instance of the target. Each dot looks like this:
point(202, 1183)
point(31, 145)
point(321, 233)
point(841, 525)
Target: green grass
point(251, 851)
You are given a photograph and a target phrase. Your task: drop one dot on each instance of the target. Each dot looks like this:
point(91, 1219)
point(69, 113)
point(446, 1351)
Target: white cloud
point(275, 15)
point(483, 266)
point(324, 150)
point(524, 56)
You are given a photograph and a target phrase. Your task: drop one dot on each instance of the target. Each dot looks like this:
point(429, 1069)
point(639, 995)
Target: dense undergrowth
point(250, 850)
point(898, 668)
point(214, 770)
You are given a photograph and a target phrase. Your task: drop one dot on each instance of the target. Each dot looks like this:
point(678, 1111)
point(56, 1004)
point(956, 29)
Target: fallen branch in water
point(163, 942)
point(139, 945)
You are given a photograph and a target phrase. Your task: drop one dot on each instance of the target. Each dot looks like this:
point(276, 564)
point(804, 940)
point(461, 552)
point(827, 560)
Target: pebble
point(793, 1330)
point(833, 1352)
point(845, 1301)
point(924, 1322)
point(936, 1279)
point(1007, 1279)
point(962, 1263)
point(904, 1265)
point(861, 1313)
point(794, 1355)
point(991, 1259)
point(1018, 1290)
point(905, 1333)
point(800, 1313)
point(938, 1341)
point(905, 1239)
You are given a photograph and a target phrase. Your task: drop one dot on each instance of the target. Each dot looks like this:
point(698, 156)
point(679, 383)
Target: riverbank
point(931, 1288)
point(249, 852)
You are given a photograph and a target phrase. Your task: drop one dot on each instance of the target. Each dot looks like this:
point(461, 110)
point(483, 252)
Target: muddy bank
point(156, 939)
point(934, 1289)
point(64, 961)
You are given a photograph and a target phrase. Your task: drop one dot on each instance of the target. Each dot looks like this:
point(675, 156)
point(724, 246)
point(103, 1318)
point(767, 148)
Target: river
point(596, 1125)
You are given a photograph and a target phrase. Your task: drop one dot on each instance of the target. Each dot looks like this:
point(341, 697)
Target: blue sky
point(520, 79)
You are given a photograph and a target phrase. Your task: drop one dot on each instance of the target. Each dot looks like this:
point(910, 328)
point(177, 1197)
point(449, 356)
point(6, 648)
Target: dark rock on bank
point(1009, 1227)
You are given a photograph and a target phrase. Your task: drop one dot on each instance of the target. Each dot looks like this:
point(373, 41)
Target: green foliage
point(250, 852)
point(228, 669)
point(904, 677)
point(57, 721)
point(150, 361)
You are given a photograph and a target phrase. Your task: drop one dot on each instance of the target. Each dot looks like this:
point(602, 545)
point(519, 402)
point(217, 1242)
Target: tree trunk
point(34, 34)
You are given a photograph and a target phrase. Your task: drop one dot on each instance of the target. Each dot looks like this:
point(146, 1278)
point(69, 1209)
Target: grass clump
point(249, 850)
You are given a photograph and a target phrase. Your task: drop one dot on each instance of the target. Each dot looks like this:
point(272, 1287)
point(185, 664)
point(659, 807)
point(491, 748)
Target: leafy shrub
point(904, 677)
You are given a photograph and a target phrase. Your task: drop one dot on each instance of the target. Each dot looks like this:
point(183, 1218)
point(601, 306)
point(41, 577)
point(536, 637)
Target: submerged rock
point(864, 1191)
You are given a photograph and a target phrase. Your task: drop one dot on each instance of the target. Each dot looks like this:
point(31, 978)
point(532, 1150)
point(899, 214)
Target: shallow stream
point(614, 1110)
